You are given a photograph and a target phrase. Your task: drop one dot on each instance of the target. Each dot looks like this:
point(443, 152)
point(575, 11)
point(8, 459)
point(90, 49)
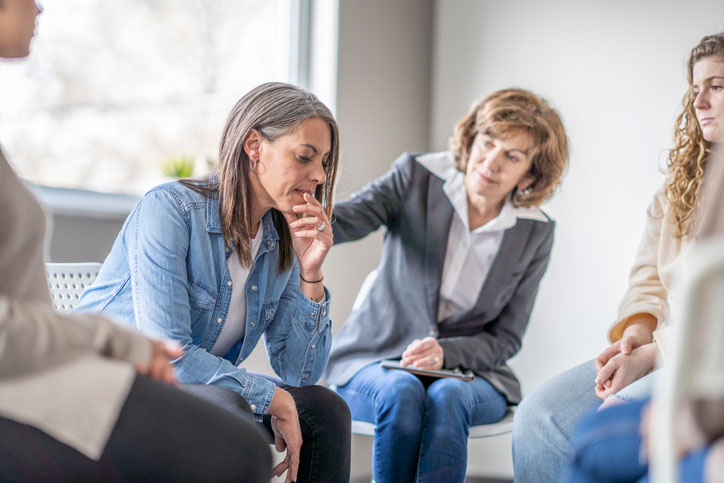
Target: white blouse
point(469, 254)
point(235, 325)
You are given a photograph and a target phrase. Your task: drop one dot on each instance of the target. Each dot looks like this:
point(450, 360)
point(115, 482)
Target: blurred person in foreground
point(80, 397)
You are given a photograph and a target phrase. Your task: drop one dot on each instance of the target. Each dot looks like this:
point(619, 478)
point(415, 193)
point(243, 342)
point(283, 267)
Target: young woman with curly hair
point(546, 420)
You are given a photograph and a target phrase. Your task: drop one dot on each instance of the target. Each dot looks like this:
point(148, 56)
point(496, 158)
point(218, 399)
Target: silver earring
point(252, 165)
point(526, 191)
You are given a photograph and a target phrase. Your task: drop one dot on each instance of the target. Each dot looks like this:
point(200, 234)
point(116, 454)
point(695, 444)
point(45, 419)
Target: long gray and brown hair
point(274, 109)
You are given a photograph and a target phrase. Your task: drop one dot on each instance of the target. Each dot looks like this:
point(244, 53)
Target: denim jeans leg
point(607, 445)
point(692, 467)
point(545, 423)
point(394, 400)
point(451, 407)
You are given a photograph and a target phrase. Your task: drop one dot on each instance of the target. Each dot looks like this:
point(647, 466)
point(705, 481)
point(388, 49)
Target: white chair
point(67, 281)
point(504, 426)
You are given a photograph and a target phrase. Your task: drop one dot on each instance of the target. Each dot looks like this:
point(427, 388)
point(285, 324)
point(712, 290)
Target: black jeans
point(324, 419)
point(162, 434)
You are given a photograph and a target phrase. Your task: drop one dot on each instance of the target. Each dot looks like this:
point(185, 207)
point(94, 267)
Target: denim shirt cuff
point(259, 392)
point(313, 315)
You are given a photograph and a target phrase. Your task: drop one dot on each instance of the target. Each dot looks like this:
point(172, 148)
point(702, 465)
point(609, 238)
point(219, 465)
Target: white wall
point(615, 71)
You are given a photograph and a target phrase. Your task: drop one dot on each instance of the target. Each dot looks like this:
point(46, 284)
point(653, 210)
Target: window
point(114, 90)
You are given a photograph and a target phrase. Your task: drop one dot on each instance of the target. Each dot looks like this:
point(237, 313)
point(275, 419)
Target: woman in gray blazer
point(465, 249)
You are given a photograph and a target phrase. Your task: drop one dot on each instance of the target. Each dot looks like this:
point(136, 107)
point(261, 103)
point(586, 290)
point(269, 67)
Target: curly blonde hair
point(687, 159)
point(509, 110)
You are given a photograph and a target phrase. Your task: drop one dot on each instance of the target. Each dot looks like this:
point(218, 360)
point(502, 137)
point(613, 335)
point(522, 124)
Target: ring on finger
point(436, 360)
point(322, 226)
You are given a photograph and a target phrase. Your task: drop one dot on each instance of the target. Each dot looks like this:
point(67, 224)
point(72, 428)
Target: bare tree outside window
point(116, 89)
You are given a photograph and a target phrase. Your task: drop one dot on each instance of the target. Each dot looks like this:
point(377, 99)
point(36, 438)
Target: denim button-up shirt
point(167, 276)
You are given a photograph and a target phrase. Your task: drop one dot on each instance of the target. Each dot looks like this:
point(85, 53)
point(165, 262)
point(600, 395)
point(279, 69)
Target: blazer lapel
point(511, 250)
point(438, 217)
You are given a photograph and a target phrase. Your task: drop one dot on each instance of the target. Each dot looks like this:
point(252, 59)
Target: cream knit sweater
point(67, 376)
point(654, 278)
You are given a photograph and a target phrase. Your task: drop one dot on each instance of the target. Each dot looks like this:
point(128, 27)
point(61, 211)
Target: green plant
point(178, 166)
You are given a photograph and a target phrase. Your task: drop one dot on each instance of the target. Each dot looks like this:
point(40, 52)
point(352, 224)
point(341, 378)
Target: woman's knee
point(221, 396)
point(399, 388)
point(459, 404)
point(399, 402)
point(449, 390)
point(570, 392)
point(322, 408)
point(534, 411)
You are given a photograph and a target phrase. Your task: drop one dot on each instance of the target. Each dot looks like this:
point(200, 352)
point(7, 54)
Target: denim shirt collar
point(213, 223)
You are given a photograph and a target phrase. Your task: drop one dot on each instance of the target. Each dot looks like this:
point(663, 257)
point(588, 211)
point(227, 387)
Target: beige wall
point(383, 103)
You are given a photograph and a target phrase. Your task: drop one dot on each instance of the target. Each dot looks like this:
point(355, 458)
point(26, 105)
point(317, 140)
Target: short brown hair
point(509, 110)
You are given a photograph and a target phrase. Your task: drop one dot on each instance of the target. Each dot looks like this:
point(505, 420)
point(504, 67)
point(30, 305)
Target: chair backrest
point(367, 284)
point(67, 281)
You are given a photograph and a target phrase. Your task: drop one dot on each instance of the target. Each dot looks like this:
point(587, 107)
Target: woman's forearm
point(311, 285)
point(641, 327)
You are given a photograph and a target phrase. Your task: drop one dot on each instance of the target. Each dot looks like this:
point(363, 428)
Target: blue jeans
point(422, 423)
point(546, 421)
point(607, 448)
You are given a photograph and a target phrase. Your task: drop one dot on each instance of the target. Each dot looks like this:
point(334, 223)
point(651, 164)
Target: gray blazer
point(402, 304)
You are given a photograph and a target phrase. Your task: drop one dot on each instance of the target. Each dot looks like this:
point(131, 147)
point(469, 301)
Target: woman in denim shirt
point(215, 263)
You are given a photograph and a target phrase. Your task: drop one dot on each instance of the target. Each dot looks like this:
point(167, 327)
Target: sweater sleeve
point(646, 292)
point(33, 336)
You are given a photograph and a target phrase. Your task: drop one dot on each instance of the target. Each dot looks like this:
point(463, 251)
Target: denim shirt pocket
point(269, 310)
point(201, 300)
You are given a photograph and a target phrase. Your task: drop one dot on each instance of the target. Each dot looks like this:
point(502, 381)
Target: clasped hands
point(626, 360)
